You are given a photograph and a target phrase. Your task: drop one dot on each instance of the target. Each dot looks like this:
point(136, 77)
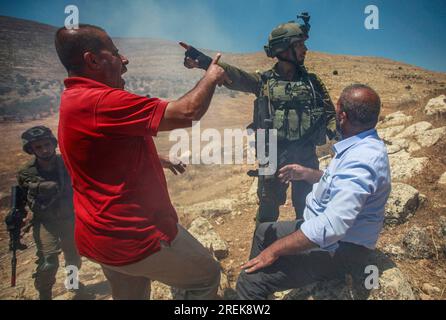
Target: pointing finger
point(184, 45)
point(216, 59)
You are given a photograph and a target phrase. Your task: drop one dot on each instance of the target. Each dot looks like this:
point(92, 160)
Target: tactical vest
point(47, 207)
point(296, 113)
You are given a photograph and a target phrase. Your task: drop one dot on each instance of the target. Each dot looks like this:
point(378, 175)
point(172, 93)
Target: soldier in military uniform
point(300, 109)
point(47, 187)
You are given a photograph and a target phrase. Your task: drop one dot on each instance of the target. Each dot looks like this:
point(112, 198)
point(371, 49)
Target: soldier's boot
point(45, 276)
point(46, 294)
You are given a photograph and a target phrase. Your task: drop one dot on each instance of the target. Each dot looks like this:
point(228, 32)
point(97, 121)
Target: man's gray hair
point(362, 111)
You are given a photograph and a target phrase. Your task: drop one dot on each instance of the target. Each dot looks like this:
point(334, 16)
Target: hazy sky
point(412, 31)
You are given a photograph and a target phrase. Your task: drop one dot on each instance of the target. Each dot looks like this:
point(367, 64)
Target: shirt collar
point(82, 82)
point(343, 145)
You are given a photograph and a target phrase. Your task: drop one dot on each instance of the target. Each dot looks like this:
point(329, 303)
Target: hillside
point(31, 82)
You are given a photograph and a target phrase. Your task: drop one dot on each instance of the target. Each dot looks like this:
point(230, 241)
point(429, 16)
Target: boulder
point(430, 137)
point(393, 285)
point(388, 133)
point(397, 145)
point(430, 289)
point(403, 166)
point(436, 106)
point(418, 243)
point(395, 119)
point(402, 204)
point(203, 231)
point(415, 129)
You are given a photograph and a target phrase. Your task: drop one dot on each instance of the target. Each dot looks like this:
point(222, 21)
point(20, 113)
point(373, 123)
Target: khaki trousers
point(52, 237)
point(185, 265)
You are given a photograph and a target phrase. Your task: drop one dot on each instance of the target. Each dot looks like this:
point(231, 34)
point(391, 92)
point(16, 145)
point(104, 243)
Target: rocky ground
point(412, 247)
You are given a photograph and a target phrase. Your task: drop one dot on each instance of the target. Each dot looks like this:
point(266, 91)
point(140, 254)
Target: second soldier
point(47, 188)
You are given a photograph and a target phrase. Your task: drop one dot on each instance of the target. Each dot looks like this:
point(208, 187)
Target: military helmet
point(35, 134)
point(285, 34)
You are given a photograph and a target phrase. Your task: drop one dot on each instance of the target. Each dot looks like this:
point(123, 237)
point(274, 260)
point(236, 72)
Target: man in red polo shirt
point(125, 220)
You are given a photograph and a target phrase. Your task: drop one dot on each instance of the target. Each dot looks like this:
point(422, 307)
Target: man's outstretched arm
point(193, 105)
point(239, 79)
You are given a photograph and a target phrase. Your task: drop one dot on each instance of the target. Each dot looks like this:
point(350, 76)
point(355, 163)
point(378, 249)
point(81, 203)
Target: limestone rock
point(203, 231)
point(394, 251)
point(387, 133)
point(430, 137)
point(402, 204)
point(160, 291)
point(418, 243)
point(395, 119)
point(430, 289)
point(403, 166)
point(397, 145)
point(393, 285)
point(417, 128)
point(436, 106)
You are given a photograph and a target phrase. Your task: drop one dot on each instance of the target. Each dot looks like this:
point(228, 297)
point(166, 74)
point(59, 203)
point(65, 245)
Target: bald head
point(71, 44)
point(361, 104)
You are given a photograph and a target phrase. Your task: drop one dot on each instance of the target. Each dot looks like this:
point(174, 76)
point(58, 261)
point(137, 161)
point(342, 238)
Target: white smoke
point(196, 24)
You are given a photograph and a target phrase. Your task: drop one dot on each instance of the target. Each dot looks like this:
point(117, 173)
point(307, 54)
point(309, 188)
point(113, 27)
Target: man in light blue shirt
point(344, 213)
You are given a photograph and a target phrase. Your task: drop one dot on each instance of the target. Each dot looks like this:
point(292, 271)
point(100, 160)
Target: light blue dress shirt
point(347, 204)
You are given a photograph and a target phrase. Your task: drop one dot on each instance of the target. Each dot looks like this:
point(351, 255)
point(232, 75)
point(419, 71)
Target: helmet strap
point(293, 51)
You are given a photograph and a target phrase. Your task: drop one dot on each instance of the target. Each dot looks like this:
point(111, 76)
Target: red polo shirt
point(121, 201)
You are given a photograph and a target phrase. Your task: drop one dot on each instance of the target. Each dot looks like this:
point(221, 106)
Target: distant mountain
point(31, 74)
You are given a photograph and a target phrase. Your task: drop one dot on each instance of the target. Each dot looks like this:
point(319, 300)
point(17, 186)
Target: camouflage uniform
point(272, 193)
point(49, 197)
point(299, 109)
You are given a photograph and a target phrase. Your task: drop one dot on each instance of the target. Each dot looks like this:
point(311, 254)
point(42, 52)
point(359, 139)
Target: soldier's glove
point(204, 61)
point(48, 188)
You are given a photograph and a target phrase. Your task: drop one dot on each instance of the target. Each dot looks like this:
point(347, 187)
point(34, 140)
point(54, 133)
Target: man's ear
point(91, 61)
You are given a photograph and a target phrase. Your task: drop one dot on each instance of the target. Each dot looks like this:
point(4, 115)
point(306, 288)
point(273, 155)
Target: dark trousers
point(299, 270)
point(52, 238)
point(272, 193)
